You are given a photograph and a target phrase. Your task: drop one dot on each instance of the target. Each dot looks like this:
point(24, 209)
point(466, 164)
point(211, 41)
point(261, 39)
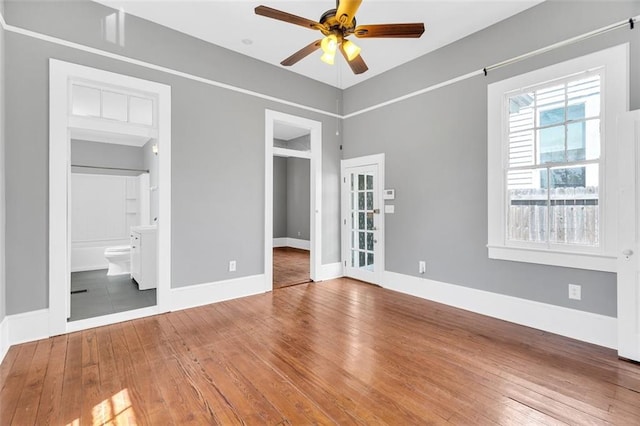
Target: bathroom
point(113, 224)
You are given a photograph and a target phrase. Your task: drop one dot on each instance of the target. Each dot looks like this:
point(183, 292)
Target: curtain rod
point(111, 168)
point(603, 30)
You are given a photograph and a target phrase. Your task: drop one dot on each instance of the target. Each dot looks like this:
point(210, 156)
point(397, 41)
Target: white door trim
point(628, 263)
point(375, 159)
point(315, 156)
point(59, 148)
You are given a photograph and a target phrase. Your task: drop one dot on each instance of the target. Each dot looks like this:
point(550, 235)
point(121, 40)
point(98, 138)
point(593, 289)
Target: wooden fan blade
point(347, 11)
point(302, 53)
point(287, 17)
point(390, 30)
point(358, 66)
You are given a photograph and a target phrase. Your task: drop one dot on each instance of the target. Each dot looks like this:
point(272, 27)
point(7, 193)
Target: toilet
point(119, 258)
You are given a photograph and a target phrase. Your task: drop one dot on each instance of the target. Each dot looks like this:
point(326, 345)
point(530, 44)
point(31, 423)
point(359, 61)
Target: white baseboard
point(292, 242)
point(330, 271)
point(280, 242)
point(585, 326)
point(4, 338)
point(28, 326)
point(204, 294)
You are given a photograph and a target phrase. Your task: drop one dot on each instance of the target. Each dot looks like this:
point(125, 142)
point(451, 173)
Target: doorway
point(95, 105)
point(291, 210)
point(299, 142)
point(363, 218)
point(110, 196)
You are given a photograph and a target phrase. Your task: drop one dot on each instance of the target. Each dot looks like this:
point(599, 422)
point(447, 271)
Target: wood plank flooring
point(336, 352)
point(290, 267)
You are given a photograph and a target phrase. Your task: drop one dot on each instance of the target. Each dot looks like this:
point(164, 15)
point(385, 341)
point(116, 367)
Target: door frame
point(60, 75)
point(369, 160)
point(628, 263)
point(315, 189)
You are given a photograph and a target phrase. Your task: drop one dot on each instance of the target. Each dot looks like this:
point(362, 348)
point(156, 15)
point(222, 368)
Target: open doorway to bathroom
point(109, 197)
point(110, 213)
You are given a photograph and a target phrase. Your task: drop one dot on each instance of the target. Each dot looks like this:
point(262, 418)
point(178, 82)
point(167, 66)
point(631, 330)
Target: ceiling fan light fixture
point(329, 44)
point(328, 58)
point(351, 49)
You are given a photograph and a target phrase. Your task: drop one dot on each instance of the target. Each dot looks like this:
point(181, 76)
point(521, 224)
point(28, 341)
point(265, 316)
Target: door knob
point(627, 252)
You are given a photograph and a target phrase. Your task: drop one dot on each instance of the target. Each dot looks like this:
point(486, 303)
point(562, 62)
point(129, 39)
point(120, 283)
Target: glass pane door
point(362, 222)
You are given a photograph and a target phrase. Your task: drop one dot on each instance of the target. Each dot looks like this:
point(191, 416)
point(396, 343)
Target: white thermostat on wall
point(389, 194)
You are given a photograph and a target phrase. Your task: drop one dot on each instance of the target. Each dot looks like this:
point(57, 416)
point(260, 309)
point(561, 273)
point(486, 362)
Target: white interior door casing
point(628, 263)
point(363, 218)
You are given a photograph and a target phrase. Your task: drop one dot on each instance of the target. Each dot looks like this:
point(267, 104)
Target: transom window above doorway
point(96, 102)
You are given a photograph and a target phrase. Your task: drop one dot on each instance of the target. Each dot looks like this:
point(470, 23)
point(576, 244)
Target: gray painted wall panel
point(279, 197)
point(217, 174)
point(436, 154)
point(298, 198)
point(510, 38)
point(80, 21)
point(3, 292)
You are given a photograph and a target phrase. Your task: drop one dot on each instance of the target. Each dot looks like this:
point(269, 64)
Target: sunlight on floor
point(116, 410)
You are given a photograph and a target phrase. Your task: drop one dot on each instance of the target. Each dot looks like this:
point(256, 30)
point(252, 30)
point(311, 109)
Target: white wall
point(103, 209)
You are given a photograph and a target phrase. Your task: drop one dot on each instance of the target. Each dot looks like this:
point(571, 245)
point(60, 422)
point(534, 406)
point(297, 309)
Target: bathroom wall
point(103, 210)
point(150, 162)
point(89, 153)
point(279, 197)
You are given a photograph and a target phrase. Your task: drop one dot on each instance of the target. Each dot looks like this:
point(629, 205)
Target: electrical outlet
point(422, 267)
point(299, 233)
point(575, 291)
point(232, 266)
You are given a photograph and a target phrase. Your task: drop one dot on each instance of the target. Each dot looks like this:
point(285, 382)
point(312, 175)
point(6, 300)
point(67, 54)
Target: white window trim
point(615, 86)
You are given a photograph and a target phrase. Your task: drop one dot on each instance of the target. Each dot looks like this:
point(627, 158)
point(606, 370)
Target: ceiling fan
point(336, 25)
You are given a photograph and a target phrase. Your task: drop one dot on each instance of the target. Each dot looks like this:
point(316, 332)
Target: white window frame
point(615, 93)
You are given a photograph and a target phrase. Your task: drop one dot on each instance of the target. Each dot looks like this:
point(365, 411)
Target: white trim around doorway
point(61, 73)
point(315, 157)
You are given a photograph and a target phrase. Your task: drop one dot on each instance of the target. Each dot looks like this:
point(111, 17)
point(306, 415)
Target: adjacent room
point(319, 212)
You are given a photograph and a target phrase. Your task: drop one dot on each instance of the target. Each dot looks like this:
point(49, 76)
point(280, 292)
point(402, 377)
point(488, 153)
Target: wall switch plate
point(422, 267)
point(389, 208)
point(575, 292)
point(232, 266)
point(389, 194)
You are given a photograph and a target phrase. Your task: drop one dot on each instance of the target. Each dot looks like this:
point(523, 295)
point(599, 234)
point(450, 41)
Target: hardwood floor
point(336, 352)
point(290, 267)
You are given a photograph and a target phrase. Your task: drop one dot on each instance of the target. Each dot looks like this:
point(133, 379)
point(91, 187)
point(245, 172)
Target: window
point(551, 157)
point(554, 162)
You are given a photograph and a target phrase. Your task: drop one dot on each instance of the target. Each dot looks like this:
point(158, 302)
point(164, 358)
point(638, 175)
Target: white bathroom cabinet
point(144, 256)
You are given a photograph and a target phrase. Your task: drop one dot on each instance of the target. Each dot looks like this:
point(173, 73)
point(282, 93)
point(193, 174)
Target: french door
point(363, 219)
point(628, 237)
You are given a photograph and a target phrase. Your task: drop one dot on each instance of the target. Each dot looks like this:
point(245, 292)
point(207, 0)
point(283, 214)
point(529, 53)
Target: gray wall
point(217, 144)
point(2, 174)
point(279, 197)
point(99, 154)
point(291, 198)
point(436, 151)
point(298, 198)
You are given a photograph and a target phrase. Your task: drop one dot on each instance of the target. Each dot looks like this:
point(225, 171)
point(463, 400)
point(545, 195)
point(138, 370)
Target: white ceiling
point(228, 23)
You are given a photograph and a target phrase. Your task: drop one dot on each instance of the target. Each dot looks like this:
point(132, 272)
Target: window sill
point(589, 261)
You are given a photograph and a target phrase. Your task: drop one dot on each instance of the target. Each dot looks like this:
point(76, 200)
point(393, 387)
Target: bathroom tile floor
point(106, 295)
